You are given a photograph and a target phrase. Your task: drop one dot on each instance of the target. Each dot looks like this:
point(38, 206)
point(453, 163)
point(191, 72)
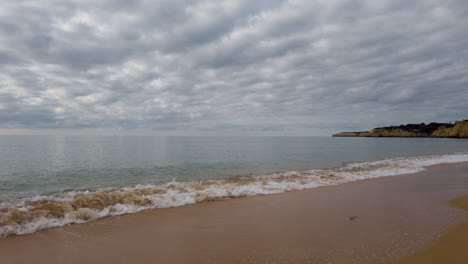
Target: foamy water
point(28, 215)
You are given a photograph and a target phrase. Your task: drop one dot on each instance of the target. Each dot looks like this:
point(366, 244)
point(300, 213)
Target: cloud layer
point(288, 67)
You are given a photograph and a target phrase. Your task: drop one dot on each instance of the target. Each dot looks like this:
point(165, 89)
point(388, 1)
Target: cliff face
point(459, 130)
point(443, 130)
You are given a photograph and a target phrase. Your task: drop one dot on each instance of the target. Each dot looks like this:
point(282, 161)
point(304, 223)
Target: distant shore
point(370, 221)
point(432, 130)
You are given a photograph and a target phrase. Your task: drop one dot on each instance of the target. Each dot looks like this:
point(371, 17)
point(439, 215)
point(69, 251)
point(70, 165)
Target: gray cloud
point(287, 67)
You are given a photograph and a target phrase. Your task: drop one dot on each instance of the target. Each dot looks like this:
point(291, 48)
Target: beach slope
point(371, 221)
point(450, 248)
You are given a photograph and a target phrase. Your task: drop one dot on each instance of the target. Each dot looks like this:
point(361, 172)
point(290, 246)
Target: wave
point(28, 215)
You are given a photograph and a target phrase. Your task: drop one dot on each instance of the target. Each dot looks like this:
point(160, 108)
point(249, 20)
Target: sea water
point(49, 181)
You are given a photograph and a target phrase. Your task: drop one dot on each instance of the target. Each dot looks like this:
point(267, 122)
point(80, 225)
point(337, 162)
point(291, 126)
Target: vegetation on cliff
point(444, 130)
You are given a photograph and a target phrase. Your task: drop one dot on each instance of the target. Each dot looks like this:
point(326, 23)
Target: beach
point(233, 132)
point(380, 220)
point(450, 248)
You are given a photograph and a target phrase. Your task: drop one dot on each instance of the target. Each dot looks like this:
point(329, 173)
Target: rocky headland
point(437, 130)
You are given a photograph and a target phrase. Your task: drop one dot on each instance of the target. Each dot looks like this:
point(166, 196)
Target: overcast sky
point(298, 67)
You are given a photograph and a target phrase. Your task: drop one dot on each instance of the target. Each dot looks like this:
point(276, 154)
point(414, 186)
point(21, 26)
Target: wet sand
point(372, 221)
point(450, 248)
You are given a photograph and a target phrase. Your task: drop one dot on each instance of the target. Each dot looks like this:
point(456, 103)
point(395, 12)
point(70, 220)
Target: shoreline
point(432, 130)
point(395, 217)
point(355, 136)
point(29, 215)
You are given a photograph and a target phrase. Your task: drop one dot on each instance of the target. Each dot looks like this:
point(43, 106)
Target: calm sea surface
point(31, 165)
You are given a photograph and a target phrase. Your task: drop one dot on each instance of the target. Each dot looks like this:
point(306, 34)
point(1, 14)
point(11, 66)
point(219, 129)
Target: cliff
point(439, 130)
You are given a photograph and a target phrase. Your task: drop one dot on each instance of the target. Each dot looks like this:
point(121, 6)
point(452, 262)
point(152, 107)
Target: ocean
point(51, 181)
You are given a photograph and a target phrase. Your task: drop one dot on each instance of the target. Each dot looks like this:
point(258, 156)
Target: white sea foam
point(32, 214)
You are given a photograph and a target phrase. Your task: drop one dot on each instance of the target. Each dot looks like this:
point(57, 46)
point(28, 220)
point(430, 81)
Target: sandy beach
point(450, 248)
point(381, 220)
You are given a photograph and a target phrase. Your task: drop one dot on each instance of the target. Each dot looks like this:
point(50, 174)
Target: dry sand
point(392, 217)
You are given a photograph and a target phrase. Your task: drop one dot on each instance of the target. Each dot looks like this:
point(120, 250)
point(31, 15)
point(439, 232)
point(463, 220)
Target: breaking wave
point(28, 215)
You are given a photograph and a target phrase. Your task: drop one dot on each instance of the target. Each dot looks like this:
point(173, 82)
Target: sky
point(299, 67)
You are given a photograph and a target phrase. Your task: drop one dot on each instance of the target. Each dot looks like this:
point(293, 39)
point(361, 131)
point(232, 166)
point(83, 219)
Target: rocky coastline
point(458, 129)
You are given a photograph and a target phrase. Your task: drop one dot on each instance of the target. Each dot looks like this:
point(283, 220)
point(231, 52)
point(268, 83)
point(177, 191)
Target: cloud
point(290, 67)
